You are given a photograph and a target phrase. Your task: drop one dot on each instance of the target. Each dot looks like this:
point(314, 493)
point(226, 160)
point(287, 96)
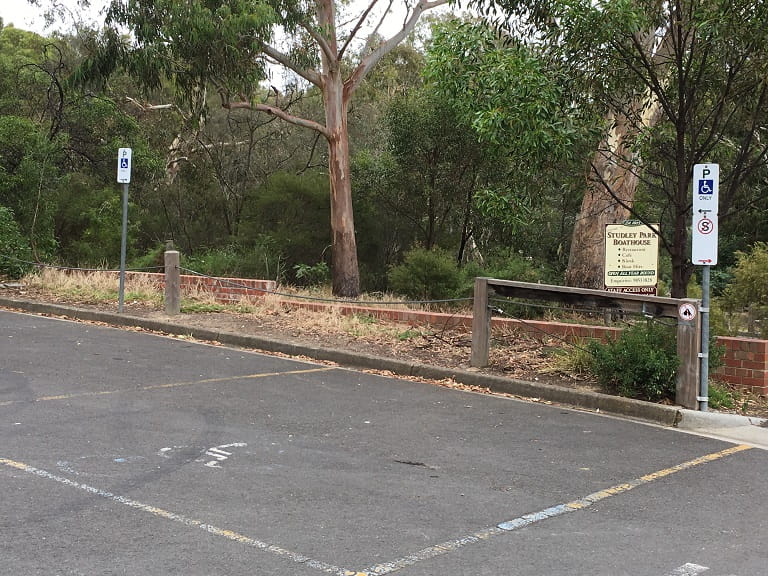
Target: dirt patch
point(513, 355)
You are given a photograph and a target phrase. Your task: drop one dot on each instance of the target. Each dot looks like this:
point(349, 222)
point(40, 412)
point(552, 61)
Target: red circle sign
point(705, 226)
point(686, 311)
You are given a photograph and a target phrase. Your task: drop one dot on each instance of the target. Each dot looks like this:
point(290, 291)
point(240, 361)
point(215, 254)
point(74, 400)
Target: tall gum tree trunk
point(610, 190)
point(613, 175)
point(345, 272)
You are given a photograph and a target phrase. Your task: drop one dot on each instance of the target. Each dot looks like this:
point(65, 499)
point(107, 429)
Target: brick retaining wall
point(745, 362)
point(224, 290)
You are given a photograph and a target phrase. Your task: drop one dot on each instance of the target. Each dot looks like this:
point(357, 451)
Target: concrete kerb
point(693, 420)
point(656, 413)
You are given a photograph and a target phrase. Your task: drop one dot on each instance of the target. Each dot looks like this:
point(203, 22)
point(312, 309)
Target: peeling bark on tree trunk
point(611, 186)
point(345, 273)
point(613, 174)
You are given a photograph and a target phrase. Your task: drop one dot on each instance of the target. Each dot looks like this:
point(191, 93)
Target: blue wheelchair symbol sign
point(124, 163)
point(706, 187)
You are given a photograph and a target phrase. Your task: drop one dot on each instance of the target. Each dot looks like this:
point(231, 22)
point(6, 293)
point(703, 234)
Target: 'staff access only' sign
point(631, 257)
point(706, 185)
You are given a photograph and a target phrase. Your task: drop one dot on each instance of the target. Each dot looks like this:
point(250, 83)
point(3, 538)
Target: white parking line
point(688, 570)
point(181, 519)
point(425, 553)
point(552, 511)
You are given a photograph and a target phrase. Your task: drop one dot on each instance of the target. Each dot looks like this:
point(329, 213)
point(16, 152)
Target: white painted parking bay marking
point(528, 519)
point(179, 518)
point(688, 570)
point(170, 385)
point(411, 559)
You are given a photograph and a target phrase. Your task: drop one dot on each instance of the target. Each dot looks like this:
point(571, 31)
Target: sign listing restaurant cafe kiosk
point(631, 258)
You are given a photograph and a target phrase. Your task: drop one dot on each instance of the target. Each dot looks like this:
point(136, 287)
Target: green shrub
point(508, 264)
point(514, 265)
point(292, 212)
point(153, 258)
point(721, 397)
point(749, 288)
point(15, 252)
point(642, 363)
point(315, 275)
point(427, 275)
point(261, 260)
point(750, 278)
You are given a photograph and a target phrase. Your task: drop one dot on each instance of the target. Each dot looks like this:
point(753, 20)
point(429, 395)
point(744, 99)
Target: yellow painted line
point(551, 512)
point(186, 521)
point(169, 385)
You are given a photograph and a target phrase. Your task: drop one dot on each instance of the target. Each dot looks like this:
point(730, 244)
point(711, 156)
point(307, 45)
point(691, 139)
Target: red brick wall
point(224, 290)
point(745, 362)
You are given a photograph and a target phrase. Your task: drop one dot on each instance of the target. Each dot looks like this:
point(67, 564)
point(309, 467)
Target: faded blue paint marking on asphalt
point(411, 559)
point(551, 512)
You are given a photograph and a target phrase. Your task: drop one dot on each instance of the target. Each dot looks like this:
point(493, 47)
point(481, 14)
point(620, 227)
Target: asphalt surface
point(129, 453)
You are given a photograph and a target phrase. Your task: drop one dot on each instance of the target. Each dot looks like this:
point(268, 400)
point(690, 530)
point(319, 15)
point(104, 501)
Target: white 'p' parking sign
point(706, 184)
point(124, 166)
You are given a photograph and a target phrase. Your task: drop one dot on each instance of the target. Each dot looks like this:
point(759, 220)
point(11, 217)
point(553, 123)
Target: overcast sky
point(23, 15)
point(20, 14)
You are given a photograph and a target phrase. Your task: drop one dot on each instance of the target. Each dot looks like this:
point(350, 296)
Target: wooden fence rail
point(685, 311)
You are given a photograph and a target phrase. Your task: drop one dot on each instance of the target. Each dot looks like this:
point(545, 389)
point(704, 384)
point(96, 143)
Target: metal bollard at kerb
point(172, 283)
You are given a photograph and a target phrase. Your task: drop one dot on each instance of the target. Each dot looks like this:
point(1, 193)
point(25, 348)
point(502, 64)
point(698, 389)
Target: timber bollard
point(172, 283)
point(481, 325)
point(685, 311)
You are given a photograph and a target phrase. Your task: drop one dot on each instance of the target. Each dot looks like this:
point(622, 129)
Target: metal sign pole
point(124, 178)
point(123, 250)
point(706, 185)
point(704, 386)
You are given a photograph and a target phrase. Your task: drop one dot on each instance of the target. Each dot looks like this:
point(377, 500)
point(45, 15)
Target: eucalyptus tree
point(229, 46)
point(521, 108)
point(679, 83)
point(675, 83)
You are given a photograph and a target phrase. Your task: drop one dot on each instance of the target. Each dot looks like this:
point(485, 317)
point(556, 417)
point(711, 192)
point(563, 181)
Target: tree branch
point(309, 75)
point(360, 22)
point(369, 61)
point(280, 113)
point(321, 41)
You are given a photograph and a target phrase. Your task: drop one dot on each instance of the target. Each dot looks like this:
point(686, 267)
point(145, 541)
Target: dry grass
point(102, 288)
point(94, 287)
point(514, 354)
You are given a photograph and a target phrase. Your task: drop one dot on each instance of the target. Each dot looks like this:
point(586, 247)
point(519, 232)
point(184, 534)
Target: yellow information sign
point(631, 257)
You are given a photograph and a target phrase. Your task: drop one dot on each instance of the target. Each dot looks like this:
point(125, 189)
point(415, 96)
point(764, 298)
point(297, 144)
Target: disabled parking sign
point(124, 166)
point(706, 179)
point(706, 187)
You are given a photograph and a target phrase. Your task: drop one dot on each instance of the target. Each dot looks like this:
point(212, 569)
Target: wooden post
point(481, 325)
point(688, 348)
point(172, 283)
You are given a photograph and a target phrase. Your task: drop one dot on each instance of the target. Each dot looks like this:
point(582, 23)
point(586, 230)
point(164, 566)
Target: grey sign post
point(124, 178)
point(706, 184)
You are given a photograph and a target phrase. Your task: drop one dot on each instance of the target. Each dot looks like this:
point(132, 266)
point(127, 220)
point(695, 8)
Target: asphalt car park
point(125, 452)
